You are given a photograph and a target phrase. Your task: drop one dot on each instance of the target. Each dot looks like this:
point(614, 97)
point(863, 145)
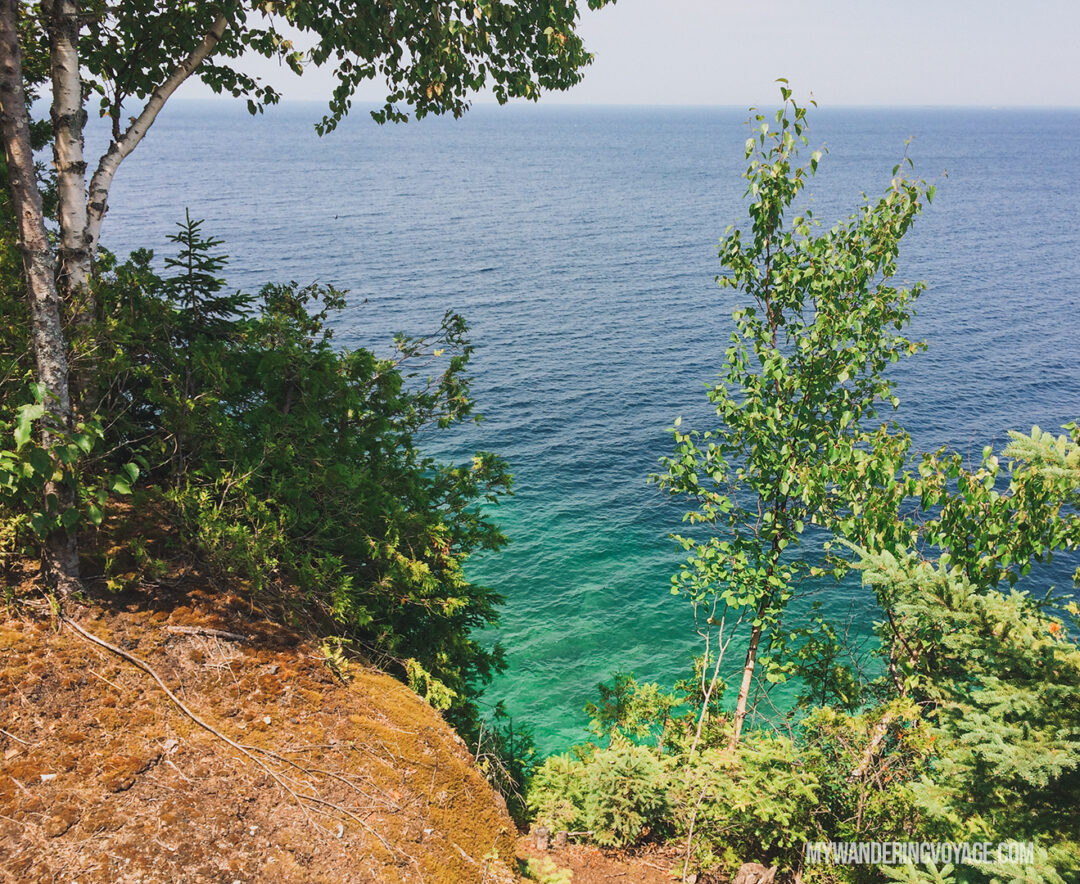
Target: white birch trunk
point(744, 687)
point(68, 120)
point(60, 557)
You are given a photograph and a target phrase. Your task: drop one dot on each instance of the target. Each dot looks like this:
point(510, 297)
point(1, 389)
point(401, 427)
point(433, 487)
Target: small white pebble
point(340, 830)
point(253, 830)
point(46, 777)
point(266, 719)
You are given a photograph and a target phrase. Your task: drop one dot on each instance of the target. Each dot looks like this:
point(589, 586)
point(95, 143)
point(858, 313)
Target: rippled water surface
point(581, 246)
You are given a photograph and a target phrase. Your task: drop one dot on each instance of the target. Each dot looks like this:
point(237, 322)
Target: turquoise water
point(580, 243)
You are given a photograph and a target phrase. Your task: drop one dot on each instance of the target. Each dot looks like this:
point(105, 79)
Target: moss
point(119, 771)
point(180, 786)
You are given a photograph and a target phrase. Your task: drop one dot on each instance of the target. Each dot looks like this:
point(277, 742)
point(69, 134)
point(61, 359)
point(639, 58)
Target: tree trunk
point(744, 688)
point(68, 120)
point(60, 560)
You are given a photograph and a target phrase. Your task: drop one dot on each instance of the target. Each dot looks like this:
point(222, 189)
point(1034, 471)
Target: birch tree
point(800, 387)
point(432, 57)
point(61, 559)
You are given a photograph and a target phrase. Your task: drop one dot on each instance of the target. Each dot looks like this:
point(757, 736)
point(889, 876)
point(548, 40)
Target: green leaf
point(41, 462)
point(40, 524)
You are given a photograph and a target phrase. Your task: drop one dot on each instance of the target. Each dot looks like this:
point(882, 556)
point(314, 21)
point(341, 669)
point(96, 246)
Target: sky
point(846, 52)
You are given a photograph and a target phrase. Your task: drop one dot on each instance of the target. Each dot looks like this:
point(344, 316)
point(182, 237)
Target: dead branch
point(878, 734)
point(205, 630)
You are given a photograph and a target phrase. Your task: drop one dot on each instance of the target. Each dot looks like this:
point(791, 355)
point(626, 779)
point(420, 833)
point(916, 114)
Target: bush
point(295, 464)
point(760, 803)
point(625, 795)
point(620, 794)
point(556, 795)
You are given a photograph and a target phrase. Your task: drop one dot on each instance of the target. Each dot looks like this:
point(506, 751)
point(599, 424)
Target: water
point(581, 245)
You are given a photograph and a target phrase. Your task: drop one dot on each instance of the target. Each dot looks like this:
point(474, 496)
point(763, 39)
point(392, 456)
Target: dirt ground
point(103, 779)
point(316, 773)
point(591, 865)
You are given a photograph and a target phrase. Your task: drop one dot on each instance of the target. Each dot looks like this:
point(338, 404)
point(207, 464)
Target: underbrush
point(965, 754)
point(279, 458)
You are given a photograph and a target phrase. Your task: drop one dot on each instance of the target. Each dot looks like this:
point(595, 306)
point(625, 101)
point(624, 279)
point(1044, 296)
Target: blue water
point(581, 245)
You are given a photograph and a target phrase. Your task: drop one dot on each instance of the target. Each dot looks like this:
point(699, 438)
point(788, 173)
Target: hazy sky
point(861, 52)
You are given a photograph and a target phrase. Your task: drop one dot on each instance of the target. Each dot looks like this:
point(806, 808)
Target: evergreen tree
point(996, 670)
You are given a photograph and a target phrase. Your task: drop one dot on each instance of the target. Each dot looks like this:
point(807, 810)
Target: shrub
point(620, 795)
point(625, 795)
point(295, 464)
point(760, 802)
point(556, 795)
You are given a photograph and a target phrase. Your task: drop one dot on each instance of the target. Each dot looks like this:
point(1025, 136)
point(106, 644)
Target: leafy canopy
point(432, 56)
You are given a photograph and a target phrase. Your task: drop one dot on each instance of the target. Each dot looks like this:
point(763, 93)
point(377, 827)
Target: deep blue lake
point(580, 243)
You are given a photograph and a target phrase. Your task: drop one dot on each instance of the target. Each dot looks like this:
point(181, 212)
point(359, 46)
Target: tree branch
point(120, 148)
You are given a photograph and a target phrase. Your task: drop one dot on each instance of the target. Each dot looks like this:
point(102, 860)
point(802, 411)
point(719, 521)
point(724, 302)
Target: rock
point(754, 873)
point(541, 833)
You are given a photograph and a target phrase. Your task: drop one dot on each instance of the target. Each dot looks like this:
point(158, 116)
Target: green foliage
point(620, 795)
point(631, 711)
point(545, 871)
point(911, 874)
point(973, 731)
point(840, 776)
point(625, 795)
point(865, 765)
point(799, 389)
point(31, 471)
point(821, 658)
point(294, 464)
point(556, 794)
point(1001, 680)
point(759, 803)
point(432, 56)
point(995, 671)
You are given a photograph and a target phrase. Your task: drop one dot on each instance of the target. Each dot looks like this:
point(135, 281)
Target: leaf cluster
point(432, 56)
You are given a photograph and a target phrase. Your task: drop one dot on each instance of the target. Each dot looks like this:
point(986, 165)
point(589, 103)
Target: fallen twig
point(206, 630)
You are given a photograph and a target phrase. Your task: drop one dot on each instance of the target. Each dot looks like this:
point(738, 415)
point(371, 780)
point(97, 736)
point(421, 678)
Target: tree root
point(302, 800)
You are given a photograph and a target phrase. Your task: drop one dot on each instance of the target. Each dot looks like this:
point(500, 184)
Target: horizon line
point(524, 103)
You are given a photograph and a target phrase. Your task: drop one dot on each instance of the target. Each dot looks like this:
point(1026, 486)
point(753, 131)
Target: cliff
point(315, 775)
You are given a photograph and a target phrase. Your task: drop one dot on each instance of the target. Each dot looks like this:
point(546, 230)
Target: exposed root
point(248, 752)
